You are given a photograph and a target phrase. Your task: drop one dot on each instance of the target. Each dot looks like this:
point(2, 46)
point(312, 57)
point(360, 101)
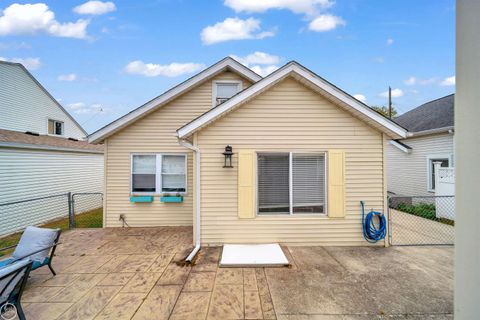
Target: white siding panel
point(24, 106)
point(407, 172)
point(26, 174)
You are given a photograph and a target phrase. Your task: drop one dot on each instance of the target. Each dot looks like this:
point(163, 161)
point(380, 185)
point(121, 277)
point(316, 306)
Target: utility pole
point(389, 102)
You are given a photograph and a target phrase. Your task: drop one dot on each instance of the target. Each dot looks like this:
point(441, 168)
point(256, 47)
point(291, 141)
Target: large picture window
point(291, 183)
point(159, 173)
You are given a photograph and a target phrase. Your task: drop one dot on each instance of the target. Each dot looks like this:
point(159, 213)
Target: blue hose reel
point(373, 232)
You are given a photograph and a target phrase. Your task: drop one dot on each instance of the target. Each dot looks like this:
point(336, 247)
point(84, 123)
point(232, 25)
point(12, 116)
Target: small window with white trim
point(55, 127)
point(291, 183)
point(159, 173)
point(224, 90)
point(444, 162)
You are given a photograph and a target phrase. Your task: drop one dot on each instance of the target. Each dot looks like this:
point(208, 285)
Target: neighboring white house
point(431, 139)
point(42, 149)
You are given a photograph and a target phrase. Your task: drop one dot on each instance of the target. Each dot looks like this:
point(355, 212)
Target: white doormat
point(253, 255)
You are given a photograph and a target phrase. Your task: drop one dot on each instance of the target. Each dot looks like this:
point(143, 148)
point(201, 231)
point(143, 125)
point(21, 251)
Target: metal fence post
point(71, 213)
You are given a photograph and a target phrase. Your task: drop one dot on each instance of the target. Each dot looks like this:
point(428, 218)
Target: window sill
point(153, 194)
point(292, 216)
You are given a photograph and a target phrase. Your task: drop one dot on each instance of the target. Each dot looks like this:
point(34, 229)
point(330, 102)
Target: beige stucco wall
point(289, 117)
point(155, 133)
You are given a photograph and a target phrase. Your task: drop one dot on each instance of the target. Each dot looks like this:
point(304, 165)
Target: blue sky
point(94, 57)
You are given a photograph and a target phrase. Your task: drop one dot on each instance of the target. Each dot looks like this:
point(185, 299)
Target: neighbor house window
point(291, 183)
point(55, 127)
point(159, 173)
point(444, 162)
point(224, 90)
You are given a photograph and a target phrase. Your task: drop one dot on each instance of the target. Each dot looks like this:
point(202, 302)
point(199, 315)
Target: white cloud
point(36, 18)
point(263, 70)
point(67, 77)
point(257, 57)
point(29, 63)
point(360, 97)
point(411, 81)
point(396, 93)
point(326, 22)
point(450, 81)
point(260, 62)
point(14, 46)
point(389, 42)
point(234, 29)
point(414, 80)
point(82, 108)
point(168, 70)
point(95, 7)
point(309, 7)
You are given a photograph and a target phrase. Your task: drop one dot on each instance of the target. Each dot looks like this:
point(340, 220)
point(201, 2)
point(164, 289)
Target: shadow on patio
point(132, 273)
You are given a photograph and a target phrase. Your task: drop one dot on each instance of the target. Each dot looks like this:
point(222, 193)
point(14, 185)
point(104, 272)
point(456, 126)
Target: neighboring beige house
point(304, 154)
point(430, 139)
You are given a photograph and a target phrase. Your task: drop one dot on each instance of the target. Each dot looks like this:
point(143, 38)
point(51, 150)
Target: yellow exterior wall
point(154, 133)
point(289, 117)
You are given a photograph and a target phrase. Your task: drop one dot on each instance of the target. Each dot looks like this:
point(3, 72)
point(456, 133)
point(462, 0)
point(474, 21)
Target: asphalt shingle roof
point(435, 114)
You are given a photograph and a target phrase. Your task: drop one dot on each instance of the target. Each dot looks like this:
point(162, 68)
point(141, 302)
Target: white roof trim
point(400, 146)
point(390, 126)
point(449, 129)
point(169, 95)
point(17, 145)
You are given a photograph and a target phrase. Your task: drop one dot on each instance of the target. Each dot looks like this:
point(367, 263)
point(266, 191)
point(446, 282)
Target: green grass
point(89, 219)
point(424, 210)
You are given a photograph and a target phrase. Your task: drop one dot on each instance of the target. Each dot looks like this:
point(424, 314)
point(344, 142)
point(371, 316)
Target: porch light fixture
point(228, 157)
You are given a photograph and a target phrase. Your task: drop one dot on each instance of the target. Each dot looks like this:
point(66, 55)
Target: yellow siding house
point(305, 153)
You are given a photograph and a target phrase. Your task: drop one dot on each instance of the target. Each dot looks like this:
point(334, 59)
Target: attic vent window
point(224, 90)
point(55, 127)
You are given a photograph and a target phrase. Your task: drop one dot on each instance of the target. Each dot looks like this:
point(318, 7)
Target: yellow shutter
point(336, 183)
point(246, 184)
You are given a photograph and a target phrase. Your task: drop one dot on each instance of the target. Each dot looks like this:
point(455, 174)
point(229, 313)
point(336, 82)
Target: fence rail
point(421, 220)
point(65, 210)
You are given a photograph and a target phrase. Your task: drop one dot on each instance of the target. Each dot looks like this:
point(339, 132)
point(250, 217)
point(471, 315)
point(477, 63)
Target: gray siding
point(24, 106)
point(407, 172)
point(28, 174)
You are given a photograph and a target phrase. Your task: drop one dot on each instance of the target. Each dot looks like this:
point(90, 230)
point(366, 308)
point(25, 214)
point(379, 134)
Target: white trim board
point(253, 255)
point(226, 63)
point(369, 115)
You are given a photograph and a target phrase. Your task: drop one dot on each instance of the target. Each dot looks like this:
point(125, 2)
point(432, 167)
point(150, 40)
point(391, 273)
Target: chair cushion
point(34, 239)
point(6, 262)
point(6, 289)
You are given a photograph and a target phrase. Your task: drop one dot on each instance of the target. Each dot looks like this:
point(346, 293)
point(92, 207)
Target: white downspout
point(195, 149)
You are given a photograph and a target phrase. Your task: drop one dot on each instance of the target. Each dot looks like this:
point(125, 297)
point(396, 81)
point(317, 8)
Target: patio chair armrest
point(8, 247)
point(35, 252)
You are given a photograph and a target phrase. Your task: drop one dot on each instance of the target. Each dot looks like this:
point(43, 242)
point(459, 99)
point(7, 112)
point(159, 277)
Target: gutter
point(195, 149)
point(18, 145)
point(431, 131)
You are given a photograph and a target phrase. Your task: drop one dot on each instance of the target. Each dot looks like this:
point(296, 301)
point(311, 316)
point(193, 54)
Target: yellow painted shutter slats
point(246, 184)
point(336, 183)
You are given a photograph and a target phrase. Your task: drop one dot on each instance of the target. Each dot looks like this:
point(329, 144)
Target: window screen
point(173, 173)
point(308, 183)
point(55, 127)
point(225, 91)
point(273, 183)
point(143, 173)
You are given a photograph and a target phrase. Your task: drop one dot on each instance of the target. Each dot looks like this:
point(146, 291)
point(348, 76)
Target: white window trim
point(290, 185)
point(431, 157)
point(217, 82)
point(158, 174)
point(53, 134)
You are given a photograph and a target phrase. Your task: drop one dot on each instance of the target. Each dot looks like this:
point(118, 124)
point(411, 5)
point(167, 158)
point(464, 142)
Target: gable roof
point(16, 64)
point(311, 80)
point(227, 63)
point(434, 114)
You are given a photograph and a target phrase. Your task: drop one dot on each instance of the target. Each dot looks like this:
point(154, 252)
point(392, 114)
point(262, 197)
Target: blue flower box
point(141, 199)
point(173, 199)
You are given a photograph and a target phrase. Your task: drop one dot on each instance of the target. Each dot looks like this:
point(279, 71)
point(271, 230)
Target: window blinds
point(308, 183)
point(273, 183)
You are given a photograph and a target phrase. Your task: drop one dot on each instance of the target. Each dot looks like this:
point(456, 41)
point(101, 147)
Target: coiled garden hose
point(373, 232)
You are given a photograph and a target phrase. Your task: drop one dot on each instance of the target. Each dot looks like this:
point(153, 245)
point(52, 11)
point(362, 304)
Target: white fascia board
point(16, 145)
point(234, 65)
point(449, 129)
point(278, 75)
point(400, 146)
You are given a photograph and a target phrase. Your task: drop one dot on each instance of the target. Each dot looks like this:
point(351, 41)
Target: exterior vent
point(32, 133)
point(72, 139)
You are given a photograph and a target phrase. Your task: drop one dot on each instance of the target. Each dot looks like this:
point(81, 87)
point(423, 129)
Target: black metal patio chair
point(13, 279)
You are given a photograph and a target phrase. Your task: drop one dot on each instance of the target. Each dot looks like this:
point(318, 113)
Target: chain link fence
point(65, 211)
point(421, 220)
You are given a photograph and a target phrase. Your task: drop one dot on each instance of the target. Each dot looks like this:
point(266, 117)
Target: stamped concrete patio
point(132, 273)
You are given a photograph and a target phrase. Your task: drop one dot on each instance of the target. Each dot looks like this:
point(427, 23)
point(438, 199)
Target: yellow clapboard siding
point(246, 184)
point(289, 117)
point(154, 133)
point(336, 184)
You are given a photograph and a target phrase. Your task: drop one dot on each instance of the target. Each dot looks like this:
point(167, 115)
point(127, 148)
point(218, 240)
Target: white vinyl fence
point(445, 186)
